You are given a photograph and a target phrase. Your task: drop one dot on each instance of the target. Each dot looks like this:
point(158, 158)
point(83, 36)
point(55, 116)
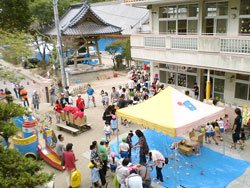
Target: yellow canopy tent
point(171, 112)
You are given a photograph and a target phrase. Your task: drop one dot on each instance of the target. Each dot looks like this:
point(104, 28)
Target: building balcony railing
point(219, 44)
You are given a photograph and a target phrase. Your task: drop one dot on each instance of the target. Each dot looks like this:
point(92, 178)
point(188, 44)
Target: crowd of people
point(127, 174)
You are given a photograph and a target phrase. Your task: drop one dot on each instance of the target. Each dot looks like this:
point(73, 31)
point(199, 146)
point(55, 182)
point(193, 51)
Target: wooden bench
point(185, 150)
point(72, 130)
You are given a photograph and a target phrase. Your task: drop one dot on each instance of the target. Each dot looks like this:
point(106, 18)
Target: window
point(182, 26)
point(244, 7)
point(171, 26)
point(163, 76)
point(171, 78)
point(221, 26)
point(242, 77)
point(182, 19)
point(182, 80)
point(191, 79)
point(241, 91)
point(193, 10)
point(216, 16)
point(192, 26)
point(162, 26)
point(245, 25)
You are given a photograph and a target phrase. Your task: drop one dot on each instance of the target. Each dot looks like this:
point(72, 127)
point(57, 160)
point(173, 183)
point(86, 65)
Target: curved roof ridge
point(82, 12)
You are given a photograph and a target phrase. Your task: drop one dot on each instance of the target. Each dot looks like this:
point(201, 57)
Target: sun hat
point(79, 95)
point(91, 165)
point(124, 139)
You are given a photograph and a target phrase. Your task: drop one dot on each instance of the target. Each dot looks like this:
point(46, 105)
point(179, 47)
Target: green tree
point(7, 126)
point(15, 45)
point(18, 171)
point(124, 46)
point(15, 15)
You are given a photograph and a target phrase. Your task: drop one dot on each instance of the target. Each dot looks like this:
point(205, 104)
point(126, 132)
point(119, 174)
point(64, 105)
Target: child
point(106, 99)
point(226, 123)
point(107, 130)
point(221, 128)
point(95, 176)
point(114, 124)
point(102, 95)
point(210, 133)
point(58, 109)
point(113, 164)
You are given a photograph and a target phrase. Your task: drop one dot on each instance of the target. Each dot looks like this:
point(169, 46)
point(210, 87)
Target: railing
point(155, 42)
point(235, 45)
point(188, 43)
point(238, 45)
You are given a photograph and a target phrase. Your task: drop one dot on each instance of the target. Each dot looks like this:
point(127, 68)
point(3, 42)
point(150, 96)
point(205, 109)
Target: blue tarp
point(210, 169)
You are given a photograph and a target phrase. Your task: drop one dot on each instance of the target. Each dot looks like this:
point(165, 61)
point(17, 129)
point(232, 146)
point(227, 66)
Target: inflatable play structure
point(33, 143)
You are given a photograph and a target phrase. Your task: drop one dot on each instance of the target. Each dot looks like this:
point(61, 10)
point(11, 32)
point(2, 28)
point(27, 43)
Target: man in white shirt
point(134, 180)
point(60, 146)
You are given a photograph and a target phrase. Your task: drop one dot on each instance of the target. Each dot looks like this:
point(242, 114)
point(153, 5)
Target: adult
point(70, 162)
point(196, 91)
point(24, 96)
point(142, 144)
point(144, 172)
point(129, 142)
point(123, 148)
point(80, 104)
point(95, 158)
point(52, 94)
point(90, 92)
point(158, 161)
point(134, 180)
point(66, 92)
point(60, 146)
point(15, 88)
point(8, 96)
point(107, 115)
point(114, 95)
point(122, 173)
point(63, 100)
point(131, 85)
point(35, 100)
point(237, 128)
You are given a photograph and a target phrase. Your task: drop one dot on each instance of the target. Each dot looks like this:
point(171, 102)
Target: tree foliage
point(7, 127)
point(18, 171)
point(124, 46)
point(15, 15)
point(15, 45)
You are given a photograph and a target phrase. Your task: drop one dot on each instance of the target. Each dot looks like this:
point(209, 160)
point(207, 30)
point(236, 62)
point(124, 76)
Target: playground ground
point(94, 115)
point(81, 142)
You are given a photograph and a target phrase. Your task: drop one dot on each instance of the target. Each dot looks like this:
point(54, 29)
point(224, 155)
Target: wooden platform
point(185, 150)
point(73, 129)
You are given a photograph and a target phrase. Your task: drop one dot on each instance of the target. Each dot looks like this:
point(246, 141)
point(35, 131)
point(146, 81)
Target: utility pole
point(59, 43)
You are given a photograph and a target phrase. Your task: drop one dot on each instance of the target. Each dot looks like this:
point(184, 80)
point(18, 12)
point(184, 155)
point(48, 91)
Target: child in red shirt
point(80, 104)
point(58, 109)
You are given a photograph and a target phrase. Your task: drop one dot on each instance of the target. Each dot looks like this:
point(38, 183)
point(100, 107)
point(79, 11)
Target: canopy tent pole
point(208, 86)
point(224, 145)
point(175, 159)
